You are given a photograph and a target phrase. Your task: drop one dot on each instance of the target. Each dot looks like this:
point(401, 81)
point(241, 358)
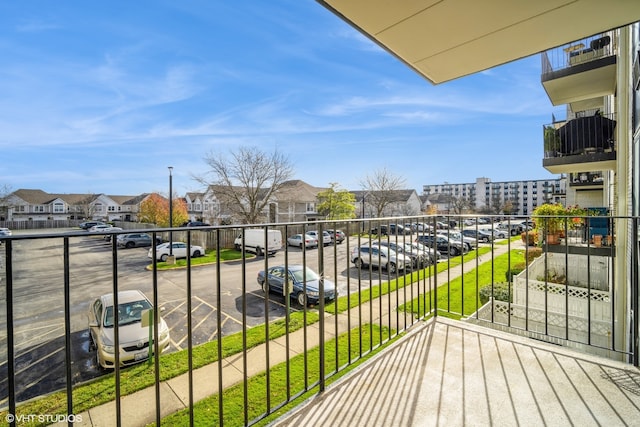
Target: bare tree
point(380, 187)
point(5, 196)
point(246, 180)
point(459, 204)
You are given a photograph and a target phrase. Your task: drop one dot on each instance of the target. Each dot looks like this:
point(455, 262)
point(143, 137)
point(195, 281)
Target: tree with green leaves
point(336, 203)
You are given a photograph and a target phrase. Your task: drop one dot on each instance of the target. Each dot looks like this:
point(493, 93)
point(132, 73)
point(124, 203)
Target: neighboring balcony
point(581, 73)
point(587, 180)
point(582, 144)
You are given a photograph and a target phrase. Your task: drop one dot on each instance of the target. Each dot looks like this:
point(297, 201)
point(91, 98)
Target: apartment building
point(508, 197)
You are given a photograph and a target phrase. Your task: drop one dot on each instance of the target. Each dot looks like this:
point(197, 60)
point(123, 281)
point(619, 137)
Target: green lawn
point(210, 257)
point(459, 297)
point(284, 381)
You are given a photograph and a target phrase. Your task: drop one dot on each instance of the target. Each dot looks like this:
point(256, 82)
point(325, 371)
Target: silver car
point(134, 240)
point(133, 336)
point(381, 257)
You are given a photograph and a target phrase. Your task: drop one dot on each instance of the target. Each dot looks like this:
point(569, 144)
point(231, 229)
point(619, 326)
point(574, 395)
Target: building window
point(111, 208)
point(58, 207)
point(311, 207)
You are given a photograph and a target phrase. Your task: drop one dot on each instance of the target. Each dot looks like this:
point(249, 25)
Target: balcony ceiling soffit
point(446, 39)
point(590, 84)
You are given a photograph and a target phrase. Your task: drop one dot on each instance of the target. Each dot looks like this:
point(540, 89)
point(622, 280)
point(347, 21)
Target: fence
point(222, 310)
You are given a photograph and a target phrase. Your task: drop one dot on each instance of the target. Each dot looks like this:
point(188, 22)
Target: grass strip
point(205, 412)
point(461, 296)
point(210, 257)
point(138, 377)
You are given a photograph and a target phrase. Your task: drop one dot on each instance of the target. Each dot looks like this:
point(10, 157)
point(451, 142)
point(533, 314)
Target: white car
point(326, 237)
point(178, 249)
point(101, 228)
point(5, 232)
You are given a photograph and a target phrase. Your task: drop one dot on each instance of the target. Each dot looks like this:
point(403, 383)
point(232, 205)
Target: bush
point(500, 293)
point(514, 271)
point(533, 253)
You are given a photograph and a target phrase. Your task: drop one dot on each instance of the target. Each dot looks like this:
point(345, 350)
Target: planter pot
point(597, 240)
point(553, 239)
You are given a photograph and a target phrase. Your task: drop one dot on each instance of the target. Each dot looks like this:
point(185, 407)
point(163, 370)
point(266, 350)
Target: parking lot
point(38, 300)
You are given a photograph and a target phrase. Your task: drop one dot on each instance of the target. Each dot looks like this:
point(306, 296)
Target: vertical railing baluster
point(189, 328)
point(116, 330)
point(67, 329)
point(11, 385)
point(218, 286)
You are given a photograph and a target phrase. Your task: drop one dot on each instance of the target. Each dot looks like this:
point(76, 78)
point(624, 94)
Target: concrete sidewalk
point(139, 409)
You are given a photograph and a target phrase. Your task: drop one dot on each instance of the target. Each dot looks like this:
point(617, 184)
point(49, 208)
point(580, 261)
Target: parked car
point(179, 250)
point(497, 233)
point(418, 259)
point(398, 229)
point(88, 224)
point(512, 228)
point(98, 228)
point(442, 244)
point(195, 224)
point(433, 255)
point(421, 227)
point(481, 236)
point(380, 257)
point(469, 242)
point(394, 229)
point(296, 240)
point(337, 236)
point(254, 240)
point(303, 283)
point(5, 232)
point(326, 237)
point(133, 240)
point(133, 337)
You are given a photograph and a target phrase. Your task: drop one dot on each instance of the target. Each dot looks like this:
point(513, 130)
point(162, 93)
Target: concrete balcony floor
point(451, 373)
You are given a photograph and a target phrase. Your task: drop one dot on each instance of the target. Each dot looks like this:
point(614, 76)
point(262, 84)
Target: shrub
point(500, 293)
point(533, 253)
point(514, 271)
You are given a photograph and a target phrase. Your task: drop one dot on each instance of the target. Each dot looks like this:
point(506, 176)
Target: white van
point(254, 241)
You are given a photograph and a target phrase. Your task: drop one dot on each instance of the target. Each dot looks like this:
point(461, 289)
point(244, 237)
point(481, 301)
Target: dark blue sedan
point(298, 275)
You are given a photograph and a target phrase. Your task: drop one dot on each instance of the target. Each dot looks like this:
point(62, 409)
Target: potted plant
point(577, 216)
point(552, 143)
point(549, 221)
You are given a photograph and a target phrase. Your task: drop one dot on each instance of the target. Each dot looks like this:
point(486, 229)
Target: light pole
point(170, 210)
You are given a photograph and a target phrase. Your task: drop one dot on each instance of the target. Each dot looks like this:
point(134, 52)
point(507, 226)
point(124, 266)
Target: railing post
point(634, 292)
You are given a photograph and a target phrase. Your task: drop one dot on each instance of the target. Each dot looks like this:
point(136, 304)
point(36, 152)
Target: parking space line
point(283, 305)
point(36, 338)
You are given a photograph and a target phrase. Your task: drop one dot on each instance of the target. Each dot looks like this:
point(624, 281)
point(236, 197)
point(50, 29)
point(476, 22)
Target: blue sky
point(101, 97)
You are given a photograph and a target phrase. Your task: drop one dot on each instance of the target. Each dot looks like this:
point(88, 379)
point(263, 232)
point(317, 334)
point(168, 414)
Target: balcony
point(582, 144)
point(581, 73)
point(444, 338)
point(587, 180)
